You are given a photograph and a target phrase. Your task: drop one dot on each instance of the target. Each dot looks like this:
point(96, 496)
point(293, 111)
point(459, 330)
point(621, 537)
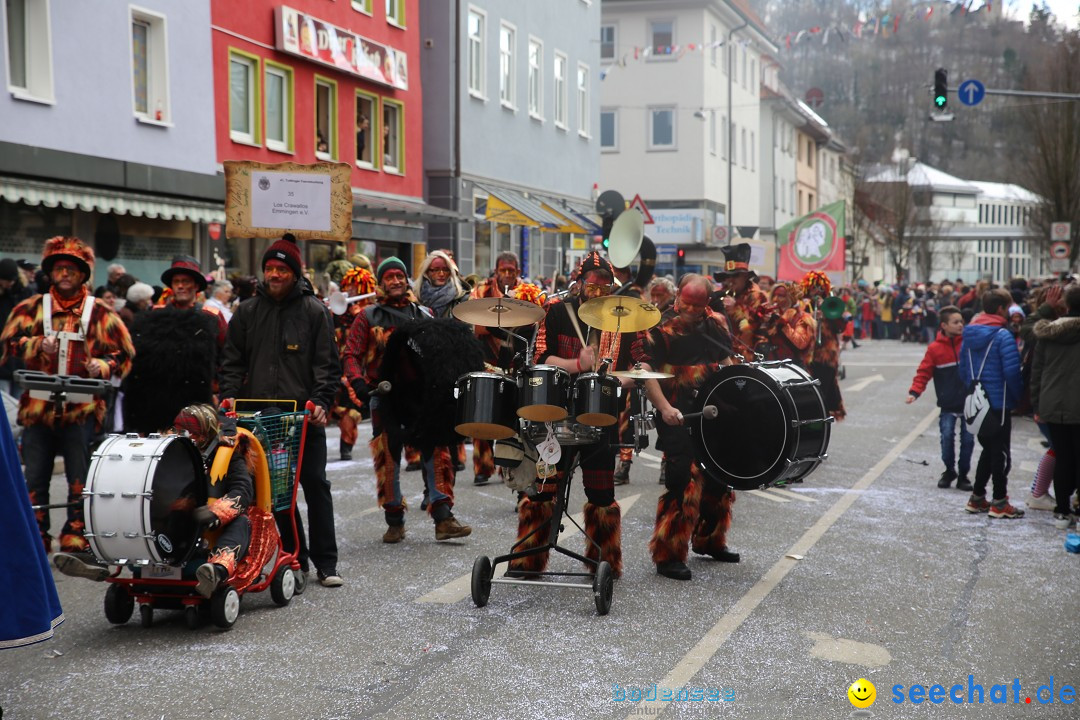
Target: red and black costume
point(790, 334)
point(693, 506)
point(350, 409)
point(826, 359)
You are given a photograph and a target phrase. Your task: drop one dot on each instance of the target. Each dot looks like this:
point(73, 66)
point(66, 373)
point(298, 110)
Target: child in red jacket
point(941, 363)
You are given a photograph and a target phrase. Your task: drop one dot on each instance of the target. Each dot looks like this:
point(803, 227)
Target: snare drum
point(772, 426)
point(596, 399)
point(566, 432)
point(543, 393)
point(139, 499)
point(486, 406)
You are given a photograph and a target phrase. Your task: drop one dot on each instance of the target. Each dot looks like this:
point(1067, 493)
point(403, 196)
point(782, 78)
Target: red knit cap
point(287, 251)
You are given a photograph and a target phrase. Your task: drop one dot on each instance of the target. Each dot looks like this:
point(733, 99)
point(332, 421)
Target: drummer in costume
point(557, 344)
point(66, 331)
point(364, 352)
point(790, 331)
point(743, 299)
point(350, 409)
point(690, 345)
point(816, 286)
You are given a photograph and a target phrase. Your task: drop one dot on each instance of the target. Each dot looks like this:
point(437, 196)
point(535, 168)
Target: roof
point(1006, 192)
point(923, 176)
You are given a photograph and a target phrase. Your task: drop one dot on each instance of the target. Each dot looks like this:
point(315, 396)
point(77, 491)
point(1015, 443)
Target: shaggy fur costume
point(603, 523)
point(483, 457)
point(423, 361)
point(532, 516)
point(175, 359)
point(676, 516)
point(710, 535)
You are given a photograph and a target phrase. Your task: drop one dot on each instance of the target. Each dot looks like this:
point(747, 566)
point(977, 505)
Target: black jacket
point(282, 350)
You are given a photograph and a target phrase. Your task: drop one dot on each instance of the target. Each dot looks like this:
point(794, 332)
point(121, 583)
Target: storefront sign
point(308, 37)
point(266, 201)
point(679, 227)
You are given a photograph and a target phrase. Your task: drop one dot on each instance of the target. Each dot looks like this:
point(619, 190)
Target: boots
point(449, 528)
point(676, 515)
point(346, 450)
point(710, 535)
point(532, 515)
point(622, 474)
point(603, 524)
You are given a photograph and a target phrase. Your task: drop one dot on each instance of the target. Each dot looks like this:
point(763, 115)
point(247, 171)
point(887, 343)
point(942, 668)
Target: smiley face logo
point(862, 693)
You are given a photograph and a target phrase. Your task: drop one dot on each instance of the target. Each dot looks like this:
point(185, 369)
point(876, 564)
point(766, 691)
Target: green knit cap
point(389, 263)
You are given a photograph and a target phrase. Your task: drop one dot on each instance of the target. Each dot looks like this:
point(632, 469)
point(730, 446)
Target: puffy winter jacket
point(941, 362)
point(1055, 381)
point(1001, 375)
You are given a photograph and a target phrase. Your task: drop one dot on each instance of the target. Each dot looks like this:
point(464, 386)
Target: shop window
point(507, 71)
point(278, 83)
point(325, 119)
point(149, 66)
point(560, 73)
point(477, 25)
point(29, 53)
point(366, 130)
point(393, 145)
point(536, 78)
point(243, 97)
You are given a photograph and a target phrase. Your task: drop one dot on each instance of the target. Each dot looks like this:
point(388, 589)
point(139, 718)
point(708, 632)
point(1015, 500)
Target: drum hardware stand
point(60, 385)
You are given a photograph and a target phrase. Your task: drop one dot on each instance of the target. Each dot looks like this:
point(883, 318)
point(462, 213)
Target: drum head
point(484, 431)
point(597, 419)
point(179, 487)
point(747, 445)
point(543, 413)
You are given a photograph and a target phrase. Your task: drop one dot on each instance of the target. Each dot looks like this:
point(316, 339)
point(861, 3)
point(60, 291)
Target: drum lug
point(140, 457)
point(103, 493)
point(133, 495)
point(105, 535)
point(800, 383)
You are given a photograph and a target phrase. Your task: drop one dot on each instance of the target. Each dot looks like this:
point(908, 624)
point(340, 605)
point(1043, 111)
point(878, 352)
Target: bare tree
point(885, 206)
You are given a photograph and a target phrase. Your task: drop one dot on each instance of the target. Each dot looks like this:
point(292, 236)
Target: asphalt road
point(866, 570)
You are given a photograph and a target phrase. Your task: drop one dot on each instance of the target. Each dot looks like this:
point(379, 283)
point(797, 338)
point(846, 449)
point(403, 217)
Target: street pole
point(730, 125)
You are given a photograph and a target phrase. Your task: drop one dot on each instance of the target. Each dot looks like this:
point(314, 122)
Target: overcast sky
point(1064, 9)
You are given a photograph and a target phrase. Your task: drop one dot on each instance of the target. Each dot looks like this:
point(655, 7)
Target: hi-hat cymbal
point(499, 312)
point(639, 374)
point(619, 313)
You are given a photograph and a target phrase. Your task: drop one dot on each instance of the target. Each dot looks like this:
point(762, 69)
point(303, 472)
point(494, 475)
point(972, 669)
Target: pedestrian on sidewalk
point(941, 362)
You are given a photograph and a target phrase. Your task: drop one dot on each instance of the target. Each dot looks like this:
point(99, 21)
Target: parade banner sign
point(308, 37)
point(813, 242)
point(313, 202)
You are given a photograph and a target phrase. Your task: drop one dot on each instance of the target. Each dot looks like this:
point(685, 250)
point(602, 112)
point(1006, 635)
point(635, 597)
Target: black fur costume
point(174, 366)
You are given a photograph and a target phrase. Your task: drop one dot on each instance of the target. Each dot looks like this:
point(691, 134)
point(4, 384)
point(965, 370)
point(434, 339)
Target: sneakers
point(330, 578)
point(74, 566)
point(977, 504)
point(675, 570)
point(1004, 509)
point(1062, 521)
point(964, 484)
point(394, 534)
point(622, 475)
point(946, 479)
point(1042, 502)
point(210, 576)
point(450, 528)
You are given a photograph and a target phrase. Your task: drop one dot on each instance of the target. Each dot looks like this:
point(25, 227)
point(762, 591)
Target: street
point(865, 570)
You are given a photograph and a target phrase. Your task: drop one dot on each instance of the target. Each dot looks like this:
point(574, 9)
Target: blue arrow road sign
point(971, 92)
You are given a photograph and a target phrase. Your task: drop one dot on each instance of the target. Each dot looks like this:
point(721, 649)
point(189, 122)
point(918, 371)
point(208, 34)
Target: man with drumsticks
point(690, 345)
point(742, 300)
point(560, 342)
point(64, 332)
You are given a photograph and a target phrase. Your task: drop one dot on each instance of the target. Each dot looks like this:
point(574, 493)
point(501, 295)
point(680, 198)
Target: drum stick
point(577, 329)
point(709, 412)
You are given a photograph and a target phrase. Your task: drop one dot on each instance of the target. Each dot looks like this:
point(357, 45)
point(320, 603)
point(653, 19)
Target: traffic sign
point(1059, 250)
point(720, 233)
point(1060, 230)
point(639, 205)
point(971, 92)
point(1059, 265)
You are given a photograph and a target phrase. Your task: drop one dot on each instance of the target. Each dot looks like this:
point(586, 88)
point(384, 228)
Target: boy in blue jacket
point(941, 362)
point(988, 337)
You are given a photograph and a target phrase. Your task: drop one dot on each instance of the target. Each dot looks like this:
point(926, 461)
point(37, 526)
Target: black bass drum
point(771, 427)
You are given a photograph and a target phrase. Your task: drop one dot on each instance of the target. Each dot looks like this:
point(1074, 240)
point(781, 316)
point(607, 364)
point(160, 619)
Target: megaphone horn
point(832, 308)
point(339, 303)
point(626, 236)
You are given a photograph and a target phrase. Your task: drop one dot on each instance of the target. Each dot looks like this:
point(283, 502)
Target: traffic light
point(680, 261)
point(606, 242)
point(941, 88)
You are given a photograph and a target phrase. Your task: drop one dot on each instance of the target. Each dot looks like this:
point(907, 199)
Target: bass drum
point(139, 499)
point(771, 427)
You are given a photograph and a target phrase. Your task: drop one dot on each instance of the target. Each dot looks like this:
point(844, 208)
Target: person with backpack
point(990, 368)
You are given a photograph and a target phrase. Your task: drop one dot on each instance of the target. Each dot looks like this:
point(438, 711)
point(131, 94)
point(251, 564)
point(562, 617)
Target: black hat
point(8, 269)
point(186, 265)
point(736, 260)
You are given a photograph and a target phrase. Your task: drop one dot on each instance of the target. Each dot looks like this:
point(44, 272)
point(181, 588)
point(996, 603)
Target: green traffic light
point(940, 101)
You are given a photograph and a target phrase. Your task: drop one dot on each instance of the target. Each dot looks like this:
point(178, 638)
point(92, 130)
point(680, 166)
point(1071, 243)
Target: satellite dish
point(625, 239)
point(610, 204)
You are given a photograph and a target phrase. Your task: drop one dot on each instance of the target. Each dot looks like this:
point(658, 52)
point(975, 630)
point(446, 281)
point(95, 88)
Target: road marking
point(767, 496)
point(651, 464)
point(461, 587)
point(915, 364)
point(650, 456)
point(793, 495)
point(718, 634)
point(864, 383)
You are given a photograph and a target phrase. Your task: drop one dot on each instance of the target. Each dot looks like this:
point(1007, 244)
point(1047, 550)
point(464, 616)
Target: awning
point(371, 207)
point(577, 214)
point(513, 208)
point(50, 194)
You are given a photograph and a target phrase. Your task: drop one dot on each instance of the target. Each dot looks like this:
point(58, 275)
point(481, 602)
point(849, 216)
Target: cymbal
point(499, 312)
point(639, 374)
point(619, 313)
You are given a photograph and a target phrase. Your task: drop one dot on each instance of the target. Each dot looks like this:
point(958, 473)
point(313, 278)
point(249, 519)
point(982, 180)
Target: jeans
point(320, 504)
point(41, 444)
point(947, 425)
point(995, 460)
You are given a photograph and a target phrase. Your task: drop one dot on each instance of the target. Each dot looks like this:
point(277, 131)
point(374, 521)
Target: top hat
point(67, 248)
point(736, 260)
point(186, 265)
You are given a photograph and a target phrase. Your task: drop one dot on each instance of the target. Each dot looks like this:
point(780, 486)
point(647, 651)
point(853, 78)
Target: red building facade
point(326, 80)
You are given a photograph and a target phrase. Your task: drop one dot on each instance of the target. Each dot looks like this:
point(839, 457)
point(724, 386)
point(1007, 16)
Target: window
point(662, 128)
point(28, 49)
point(712, 45)
point(393, 137)
point(477, 22)
point(726, 57)
point(607, 42)
point(742, 146)
point(724, 137)
point(560, 90)
point(744, 66)
point(810, 202)
point(395, 12)
point(753, 151)
point(810, 152)
point(712, 132)
point(583, 99)
point(363, 6)
point(149, 66)
point(609, 128)
point(367, 129)
point(536, 78)
point(326, 140)
point(243, 97)
point(661, 35)
point(507, 35)
point(278, 83)
point(753, 75)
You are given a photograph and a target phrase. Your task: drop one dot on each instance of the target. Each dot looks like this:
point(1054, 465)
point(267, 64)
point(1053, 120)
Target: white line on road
point(460, 588)
point(718, 634)
point(911, 365)
point(650, 456)
point(864, 383)
point(1029, 467)
point(792, 495)
point(767, 496)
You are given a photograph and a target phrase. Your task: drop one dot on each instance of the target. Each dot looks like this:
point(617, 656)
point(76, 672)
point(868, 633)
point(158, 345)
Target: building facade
point(512, 132)
point(106, 130)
